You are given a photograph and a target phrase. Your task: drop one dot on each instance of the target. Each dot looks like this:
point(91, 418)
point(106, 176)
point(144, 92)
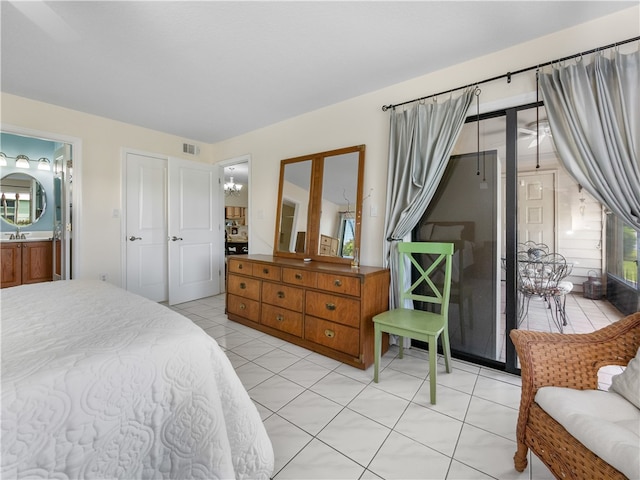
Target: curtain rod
point(508, 75)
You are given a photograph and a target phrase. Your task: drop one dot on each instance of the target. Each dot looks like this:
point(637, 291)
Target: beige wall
point(356, 121)
point(99, 191)
point(361, 121)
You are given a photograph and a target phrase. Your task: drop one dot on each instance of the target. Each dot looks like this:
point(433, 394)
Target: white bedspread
point(100, 383)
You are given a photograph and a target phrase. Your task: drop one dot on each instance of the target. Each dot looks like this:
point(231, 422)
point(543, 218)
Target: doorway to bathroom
point(39, 172)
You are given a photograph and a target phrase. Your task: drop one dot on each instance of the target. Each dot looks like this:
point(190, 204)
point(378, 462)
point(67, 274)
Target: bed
point(100, 383)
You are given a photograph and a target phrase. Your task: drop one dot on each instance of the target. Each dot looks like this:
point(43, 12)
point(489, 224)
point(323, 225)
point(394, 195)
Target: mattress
point(100, 383)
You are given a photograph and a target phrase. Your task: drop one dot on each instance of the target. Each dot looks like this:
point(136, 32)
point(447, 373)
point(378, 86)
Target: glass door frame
point(510, 364)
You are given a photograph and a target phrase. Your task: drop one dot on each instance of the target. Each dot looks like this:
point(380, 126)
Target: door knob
point(174, 238)
point(133, 239)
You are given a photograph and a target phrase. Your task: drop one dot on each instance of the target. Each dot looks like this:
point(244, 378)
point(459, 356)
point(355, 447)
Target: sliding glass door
point(467, 210)
point(503, 192)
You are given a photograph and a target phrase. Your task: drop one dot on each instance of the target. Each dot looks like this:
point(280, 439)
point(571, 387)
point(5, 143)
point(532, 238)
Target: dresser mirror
point(320, 205)
point(22, 199)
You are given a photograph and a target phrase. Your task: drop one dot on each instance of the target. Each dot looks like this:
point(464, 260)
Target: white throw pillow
point(627, 383)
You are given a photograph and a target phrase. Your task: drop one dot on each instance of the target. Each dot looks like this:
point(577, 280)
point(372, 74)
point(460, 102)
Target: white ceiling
point(208, 71)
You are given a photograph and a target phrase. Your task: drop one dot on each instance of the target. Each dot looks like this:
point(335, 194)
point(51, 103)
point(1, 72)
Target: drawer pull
point(265, 271)
point(279, 318)
point(329, 333)
point(243, 306)
point(243, 285)
point(239, 266)
point(330, 306)
point(280, 294)
point(298, 276)
point(337, 283)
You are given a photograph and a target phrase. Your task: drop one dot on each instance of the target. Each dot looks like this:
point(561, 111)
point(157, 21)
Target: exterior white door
point(146, 226)
point(536, 208)
point(194, 226)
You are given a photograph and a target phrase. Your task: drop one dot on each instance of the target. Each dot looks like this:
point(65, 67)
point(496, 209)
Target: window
point(622, 251)
point(347, 233)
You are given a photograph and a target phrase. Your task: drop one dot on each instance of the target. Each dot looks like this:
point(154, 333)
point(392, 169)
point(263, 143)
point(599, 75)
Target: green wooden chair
point(432, 261)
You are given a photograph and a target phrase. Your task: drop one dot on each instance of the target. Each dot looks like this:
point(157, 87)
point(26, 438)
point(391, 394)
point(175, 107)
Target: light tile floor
point(328, 420)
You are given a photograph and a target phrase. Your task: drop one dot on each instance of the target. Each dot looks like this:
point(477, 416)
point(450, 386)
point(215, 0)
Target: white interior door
point(62, 213)
point(194, 225)
point(146, 226)
point(536, 208)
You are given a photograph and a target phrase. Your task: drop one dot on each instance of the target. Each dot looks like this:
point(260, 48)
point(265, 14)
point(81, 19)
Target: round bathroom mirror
point(22, 199)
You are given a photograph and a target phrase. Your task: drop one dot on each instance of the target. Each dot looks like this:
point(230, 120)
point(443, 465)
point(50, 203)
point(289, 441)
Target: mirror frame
point(314, 212)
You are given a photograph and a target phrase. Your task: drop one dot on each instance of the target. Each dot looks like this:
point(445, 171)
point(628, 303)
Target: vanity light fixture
point(22, 161)
point(231, 188)
point(3, 160)
point(44, 164)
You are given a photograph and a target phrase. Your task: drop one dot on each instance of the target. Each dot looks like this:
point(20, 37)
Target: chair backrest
point(542, 275)
point(557, 270)
point(432, 263)
point(532, 249)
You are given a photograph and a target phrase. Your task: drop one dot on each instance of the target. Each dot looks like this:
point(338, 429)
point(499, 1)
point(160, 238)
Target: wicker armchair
point(567, 360)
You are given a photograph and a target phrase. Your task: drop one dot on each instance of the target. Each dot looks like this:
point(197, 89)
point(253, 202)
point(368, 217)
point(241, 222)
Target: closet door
point(194, 226)
point(146, 226)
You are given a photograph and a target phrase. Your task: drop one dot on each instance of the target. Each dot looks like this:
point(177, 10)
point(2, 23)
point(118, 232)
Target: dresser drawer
point(270, 272)
point(339, 284)
point(249, 309)
point(300, 277)
point(282, 319)
point(243, 286)
point(332, 335)
point(333, 307)
point(237, 265)
point(282, 296)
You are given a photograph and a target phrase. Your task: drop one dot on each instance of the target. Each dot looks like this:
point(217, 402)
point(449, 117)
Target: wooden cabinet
point(328, 246)
point(26, 262)
point(235, 212)
point(325, 307)
point(11, 263)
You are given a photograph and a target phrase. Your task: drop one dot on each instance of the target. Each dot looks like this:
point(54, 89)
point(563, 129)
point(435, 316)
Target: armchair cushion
point(604, 422)
point(627, 383)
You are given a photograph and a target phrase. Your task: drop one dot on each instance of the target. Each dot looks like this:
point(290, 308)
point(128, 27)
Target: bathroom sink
point(22, 240)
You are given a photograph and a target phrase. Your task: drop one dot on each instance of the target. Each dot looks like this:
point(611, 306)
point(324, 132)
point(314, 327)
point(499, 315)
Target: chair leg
point(446, 349)
point(560, 317)
point(564, 310)
point(520, 458)
point(433, 367)
point(377, 348)
point(401, 347)
point(523, 308)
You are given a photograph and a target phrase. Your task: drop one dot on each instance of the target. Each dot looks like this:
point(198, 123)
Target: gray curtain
point(594, 115)
point(421, 139)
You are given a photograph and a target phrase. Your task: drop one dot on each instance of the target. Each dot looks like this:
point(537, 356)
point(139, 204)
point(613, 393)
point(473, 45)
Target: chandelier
point(231, 188)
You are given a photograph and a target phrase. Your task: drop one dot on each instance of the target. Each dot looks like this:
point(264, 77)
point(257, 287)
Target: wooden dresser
point(325, 307)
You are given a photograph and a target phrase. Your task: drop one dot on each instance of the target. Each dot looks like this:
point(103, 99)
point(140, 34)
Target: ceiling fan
point(536, 135)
